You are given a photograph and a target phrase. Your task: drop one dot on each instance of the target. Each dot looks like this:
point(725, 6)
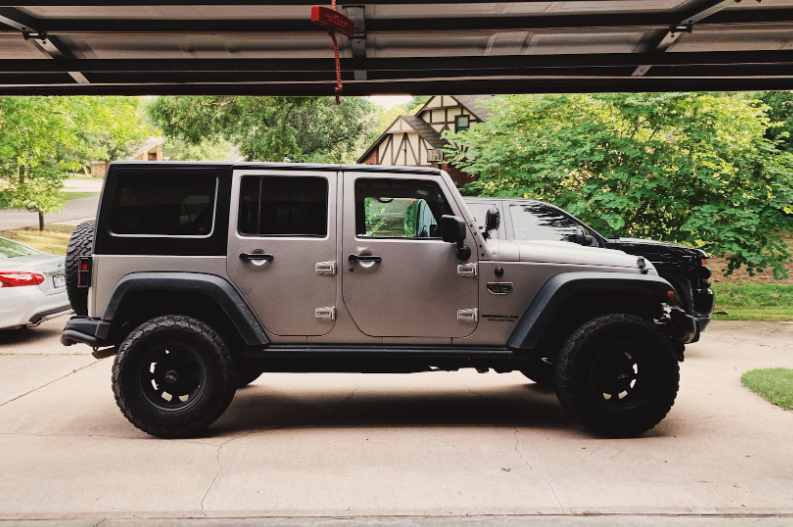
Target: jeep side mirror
point(454, 231)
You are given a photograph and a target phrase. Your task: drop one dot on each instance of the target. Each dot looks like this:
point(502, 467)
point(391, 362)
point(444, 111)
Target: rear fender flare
point(217, 288)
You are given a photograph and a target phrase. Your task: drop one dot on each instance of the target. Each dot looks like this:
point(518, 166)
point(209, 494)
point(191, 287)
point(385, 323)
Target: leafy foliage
point(214, 149)
point(42, 138)
point(299, 129)
point(683, 167)
point(780, 111)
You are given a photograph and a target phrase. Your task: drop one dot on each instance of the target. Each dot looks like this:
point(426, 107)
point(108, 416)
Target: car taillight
point(84, 266)
point(19, 278)
point(704, 272)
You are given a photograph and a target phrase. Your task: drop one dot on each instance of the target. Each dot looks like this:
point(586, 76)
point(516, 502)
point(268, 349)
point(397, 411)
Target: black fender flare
point(219, 289)
point(558, 289)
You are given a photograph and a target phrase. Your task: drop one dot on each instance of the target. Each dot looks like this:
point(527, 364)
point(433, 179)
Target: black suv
point(684, 267)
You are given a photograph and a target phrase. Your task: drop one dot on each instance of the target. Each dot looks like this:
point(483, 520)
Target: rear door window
point(283, 206)
point(164, 205)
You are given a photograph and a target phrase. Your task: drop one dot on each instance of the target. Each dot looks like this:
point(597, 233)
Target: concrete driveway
point(432, 444)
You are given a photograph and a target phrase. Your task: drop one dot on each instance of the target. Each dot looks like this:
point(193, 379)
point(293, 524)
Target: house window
point(462, 122)
point(152, 156)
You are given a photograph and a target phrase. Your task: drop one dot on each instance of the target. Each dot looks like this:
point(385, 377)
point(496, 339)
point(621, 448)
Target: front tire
point(618, 374)
point(173, 376)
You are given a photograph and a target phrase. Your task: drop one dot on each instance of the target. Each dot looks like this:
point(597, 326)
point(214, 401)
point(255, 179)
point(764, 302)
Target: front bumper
point(86, 330)
point(704, 301)
point(685, 327)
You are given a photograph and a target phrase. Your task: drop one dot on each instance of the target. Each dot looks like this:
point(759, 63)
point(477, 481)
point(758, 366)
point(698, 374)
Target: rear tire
point(80, 244)
point(173, 376)
point(618, 374)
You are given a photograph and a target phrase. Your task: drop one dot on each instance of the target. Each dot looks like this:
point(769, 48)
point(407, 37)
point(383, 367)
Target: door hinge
point(325, 313)
point(470, 270)
point(468, 315)
point(325, 268)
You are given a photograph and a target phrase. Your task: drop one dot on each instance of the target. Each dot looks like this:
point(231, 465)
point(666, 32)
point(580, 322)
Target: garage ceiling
point(418, 48)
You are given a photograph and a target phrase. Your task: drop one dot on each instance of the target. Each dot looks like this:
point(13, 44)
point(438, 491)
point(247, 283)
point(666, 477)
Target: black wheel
point(539, 370)
point(173, 376)
point(618, 374)
point(246, 373)
point(80, 244)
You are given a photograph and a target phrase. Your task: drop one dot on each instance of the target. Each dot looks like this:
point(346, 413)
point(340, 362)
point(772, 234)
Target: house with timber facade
point(417, 140)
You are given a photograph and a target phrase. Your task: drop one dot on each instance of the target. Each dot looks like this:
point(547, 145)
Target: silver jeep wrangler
point(201, 276)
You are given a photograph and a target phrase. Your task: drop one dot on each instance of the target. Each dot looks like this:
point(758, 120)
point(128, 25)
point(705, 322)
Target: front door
point(282, 248)
point(400, 279)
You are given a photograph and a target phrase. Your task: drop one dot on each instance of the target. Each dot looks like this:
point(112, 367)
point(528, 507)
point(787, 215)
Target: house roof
point(473, 103)
point(151, 142)
point(425, 131)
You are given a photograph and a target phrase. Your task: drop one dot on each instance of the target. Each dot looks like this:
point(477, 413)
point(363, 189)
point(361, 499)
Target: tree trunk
point(41, 221)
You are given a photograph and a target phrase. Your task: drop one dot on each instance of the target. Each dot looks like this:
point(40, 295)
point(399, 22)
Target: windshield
point(538, 221)
point(9, 249)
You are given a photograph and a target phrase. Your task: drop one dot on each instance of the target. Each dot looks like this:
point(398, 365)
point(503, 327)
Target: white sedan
point(32, 286)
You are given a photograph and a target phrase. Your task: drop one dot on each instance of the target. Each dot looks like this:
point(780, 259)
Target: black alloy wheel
point(172, 376)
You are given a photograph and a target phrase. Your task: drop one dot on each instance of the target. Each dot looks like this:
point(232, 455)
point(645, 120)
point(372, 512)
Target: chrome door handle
point(367, 258)
point(256, 257)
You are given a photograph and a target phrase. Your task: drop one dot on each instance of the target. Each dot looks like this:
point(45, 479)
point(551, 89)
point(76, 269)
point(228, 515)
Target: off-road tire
point(582, 358)
point(246, 373)
point(539, 371)
point(80, 244)
point(218, 364)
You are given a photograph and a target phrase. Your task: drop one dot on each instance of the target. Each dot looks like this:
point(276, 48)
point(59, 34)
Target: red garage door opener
point(334, 21)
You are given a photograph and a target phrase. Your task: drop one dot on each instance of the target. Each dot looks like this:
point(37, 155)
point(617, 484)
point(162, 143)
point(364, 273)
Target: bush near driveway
point(772, 384)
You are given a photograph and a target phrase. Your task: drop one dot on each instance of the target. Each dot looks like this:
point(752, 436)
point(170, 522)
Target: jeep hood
point(560, 253)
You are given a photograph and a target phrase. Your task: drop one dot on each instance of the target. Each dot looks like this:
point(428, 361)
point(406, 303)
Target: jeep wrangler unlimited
point(201, 276)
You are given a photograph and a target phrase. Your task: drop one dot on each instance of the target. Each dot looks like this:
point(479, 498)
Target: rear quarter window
point(157, 205)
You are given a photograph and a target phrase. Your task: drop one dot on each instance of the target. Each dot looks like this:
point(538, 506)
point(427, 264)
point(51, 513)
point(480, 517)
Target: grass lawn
point(53, 239)
point(772, 384)
point(754, 301)
point(76, 195)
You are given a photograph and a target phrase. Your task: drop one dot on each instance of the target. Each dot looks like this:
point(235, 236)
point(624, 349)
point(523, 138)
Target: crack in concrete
point(45, 385)
point(252, 432)
point(545, 480)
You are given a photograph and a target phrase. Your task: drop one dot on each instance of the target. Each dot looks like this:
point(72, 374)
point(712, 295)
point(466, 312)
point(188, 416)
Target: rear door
point(282, 248)
point(400, 279)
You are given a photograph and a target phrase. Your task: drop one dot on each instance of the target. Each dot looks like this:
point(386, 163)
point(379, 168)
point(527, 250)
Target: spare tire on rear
point(80, 244)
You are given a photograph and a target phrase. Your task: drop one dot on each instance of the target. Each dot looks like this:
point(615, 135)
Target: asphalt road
point(434, 449)
point(74, 209)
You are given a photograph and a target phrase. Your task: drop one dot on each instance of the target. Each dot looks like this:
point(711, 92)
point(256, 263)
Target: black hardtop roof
point(279, 166)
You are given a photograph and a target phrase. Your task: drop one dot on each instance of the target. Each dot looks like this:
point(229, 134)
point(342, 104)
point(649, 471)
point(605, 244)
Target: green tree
point(685, 167)
point(780, 112)
point(305, 129)
point(43, 138)
point(216, 149)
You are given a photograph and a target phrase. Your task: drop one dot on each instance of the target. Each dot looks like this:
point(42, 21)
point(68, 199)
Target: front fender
point(560, 288)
